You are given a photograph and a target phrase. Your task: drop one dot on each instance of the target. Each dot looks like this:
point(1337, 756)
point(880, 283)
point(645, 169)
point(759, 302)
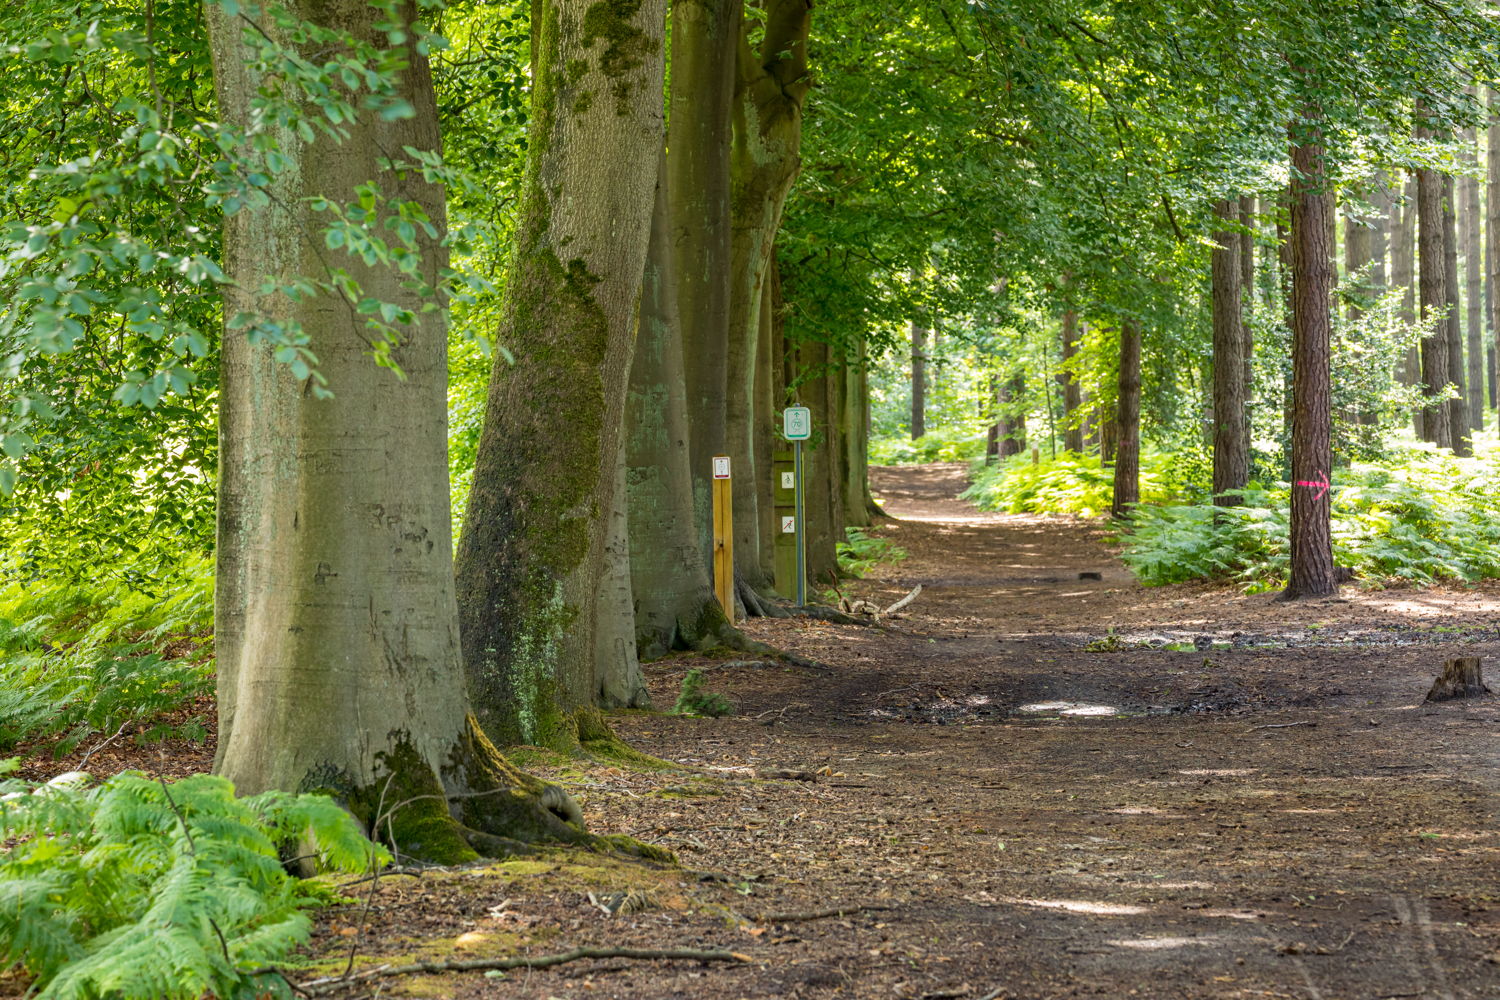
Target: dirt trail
point(1222, 797)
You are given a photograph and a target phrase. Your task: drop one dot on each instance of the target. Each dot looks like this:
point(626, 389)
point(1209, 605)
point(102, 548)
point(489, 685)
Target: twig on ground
point(832, 911)
point(318, 987)
point(1283, 725)
point(118, 732)
point(993, 994)
point(393, 870)
point(904, 601)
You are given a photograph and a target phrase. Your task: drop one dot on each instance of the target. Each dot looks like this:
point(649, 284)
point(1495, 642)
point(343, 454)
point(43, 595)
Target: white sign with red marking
point(721, 466)
point(789, 525)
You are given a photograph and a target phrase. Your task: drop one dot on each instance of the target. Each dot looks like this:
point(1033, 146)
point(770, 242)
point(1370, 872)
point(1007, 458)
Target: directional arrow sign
point(796, 423)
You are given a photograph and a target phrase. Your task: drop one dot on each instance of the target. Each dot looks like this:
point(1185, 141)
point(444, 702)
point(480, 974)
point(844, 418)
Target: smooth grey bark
point(336, 624)
point(705, 34)
point(771, 83)
point(1231, 436)
point(620, 682)
point(1436, 422)
point(531, 554)
point(856, 444)
point(675, 606)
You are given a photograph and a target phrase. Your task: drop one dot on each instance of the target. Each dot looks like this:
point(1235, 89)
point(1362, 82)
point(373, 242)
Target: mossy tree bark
point(1231, 437)
point(675, 607)
point(1312, 572)
point(532, 549)
point(1127, 483)
point(336, 627)
point(705, 35)
point(771, 83)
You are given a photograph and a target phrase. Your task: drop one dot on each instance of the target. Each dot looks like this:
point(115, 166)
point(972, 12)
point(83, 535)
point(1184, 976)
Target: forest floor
point(1037, 786)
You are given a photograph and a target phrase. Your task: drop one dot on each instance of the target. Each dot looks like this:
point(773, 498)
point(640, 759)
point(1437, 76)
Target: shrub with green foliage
point(1419, 517)
point(83, 658)
point(956, 444)
point(861, 552)
point(693, 700)
point(1067, 484)
point(140, 890)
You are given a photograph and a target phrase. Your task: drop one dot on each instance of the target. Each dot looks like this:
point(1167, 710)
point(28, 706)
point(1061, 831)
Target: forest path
point(1050, 790)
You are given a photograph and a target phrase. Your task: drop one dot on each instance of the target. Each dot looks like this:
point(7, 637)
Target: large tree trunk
point(1436, 422)
point(675, 606)
point(1072, 389)
point(770, 86)
point(918, 380)
point(1380, 234)
point(1458, 406)
point(856, 446)
point(620, 682)
point(531, 553)
point(705, 35)
point(1470, 217)
point(1231, 437)
point(808, 372)
point(1127, 491)
point(1012, 415)
point(1312, 572)
point(336, 626)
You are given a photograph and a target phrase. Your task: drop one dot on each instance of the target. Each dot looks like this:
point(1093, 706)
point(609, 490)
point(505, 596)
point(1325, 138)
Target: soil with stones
point(1027, 784)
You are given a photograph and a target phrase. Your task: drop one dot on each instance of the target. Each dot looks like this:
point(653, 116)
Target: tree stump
point(1461, 678)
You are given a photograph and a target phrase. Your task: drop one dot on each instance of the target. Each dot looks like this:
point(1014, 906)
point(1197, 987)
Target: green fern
point(693, 700)
point(138, 889)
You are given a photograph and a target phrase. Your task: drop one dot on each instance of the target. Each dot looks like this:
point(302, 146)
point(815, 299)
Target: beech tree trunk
point(1072, 390)
point(1231, 437)
point(1312, 573)
point(1011, 422)
point(771, 84)
point(532, 550)
point(1437, 426)
point(336, 625)
point(705, 35)
point(675, 606)
point(1127, 489)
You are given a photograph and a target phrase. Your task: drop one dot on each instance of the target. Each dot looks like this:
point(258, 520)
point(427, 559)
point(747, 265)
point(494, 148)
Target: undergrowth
point(954, 444)
point(1419, 517)
point(140, 890)
point(1068, 484)
point(694, 700)
point(79, 659)
point(861, 552)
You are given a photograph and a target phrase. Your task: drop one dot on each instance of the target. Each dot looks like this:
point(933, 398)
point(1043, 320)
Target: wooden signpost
point(723, 536)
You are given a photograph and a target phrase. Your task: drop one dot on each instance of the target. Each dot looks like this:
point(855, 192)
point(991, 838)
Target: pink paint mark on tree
point(1321, 485)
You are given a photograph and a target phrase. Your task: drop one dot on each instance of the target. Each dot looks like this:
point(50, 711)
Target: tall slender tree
point(1072, 389)
point(1437, 424)
point(1127, 482)
point(918, 380)
point(1312, 571)
point(1458, 406)
point(1230, 435)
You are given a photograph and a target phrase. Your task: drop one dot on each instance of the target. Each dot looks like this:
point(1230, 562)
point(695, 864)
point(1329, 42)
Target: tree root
point(832, 911)
point(324, 987)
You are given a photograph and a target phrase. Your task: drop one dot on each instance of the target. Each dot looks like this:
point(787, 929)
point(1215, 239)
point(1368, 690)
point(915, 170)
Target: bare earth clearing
point(1265, 808)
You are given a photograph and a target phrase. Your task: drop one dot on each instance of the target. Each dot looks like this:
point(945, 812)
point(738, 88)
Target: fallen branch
point(833, 911)
point(904, 601)
point(118, 733)
point(1283, 725)
point(318, 987)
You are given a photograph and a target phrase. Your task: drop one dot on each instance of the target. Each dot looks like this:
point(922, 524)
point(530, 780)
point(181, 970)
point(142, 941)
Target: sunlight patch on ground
point(1223, 772)
point(1156, 944)
point(1081, 906)
point(1067, 708)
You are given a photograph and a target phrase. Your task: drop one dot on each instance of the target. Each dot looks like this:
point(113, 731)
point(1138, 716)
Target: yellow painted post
point(723, 537)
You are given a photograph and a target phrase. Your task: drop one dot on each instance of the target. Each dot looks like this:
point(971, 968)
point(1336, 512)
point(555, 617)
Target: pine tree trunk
point(1072, 390)
point(1458, 406)
point(1127, 490)
point(1284, 259)
point(1247, 294)
point(1403, 276)
point(1358, 239)
point(1470, 217)
point(1230, 437)
point(675, 606)
point(705, 36)
point(531, 554)
point(918, 380)
point(1312, 572)
point(336, 625)
point(1492, 244)
point(1436, 425)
